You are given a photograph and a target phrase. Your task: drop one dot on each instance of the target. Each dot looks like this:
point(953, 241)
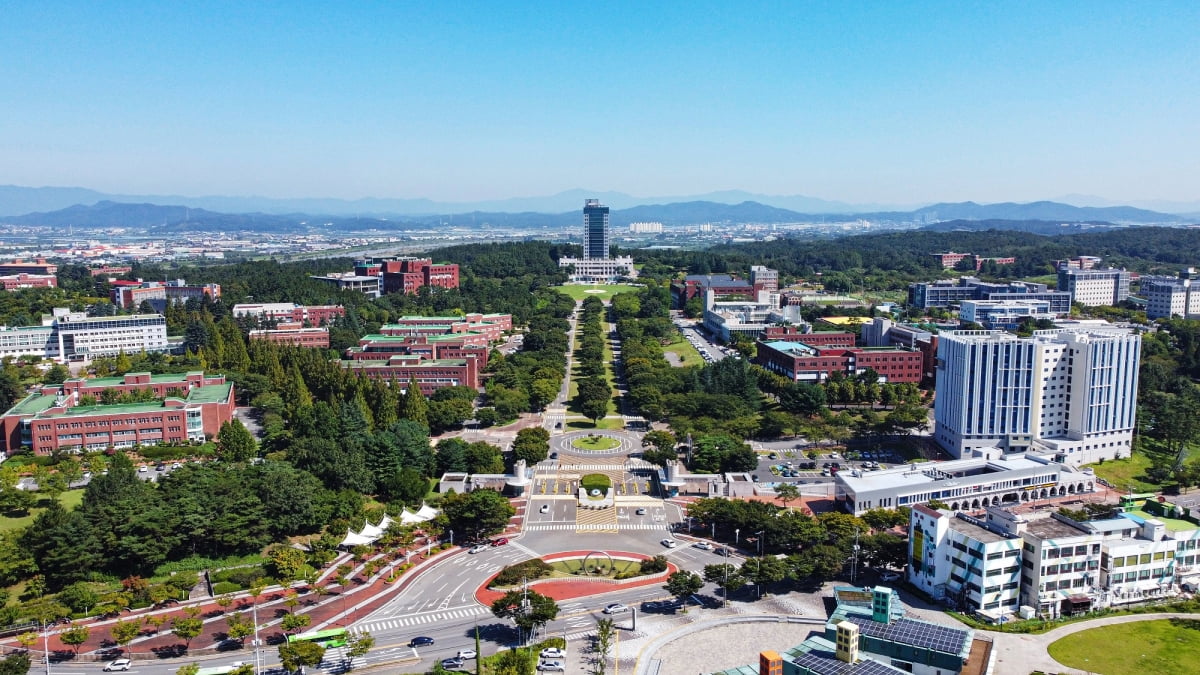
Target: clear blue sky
point(857, 101)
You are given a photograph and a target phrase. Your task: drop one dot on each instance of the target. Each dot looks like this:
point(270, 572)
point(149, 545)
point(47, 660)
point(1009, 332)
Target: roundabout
point(596, 443)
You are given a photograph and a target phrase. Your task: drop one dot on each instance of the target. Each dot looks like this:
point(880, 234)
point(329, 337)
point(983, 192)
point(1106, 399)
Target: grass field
point(685, 351)
point(595, 481)
point(69, 499)
point(1124, 473)
point(595, 443)
point(604, 292)
point(1166, 646)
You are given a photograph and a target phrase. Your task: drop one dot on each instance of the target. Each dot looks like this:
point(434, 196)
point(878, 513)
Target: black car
point(422, 641)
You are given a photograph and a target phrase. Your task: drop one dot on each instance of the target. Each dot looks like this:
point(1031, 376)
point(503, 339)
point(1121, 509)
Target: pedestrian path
point(593, 527)
point(418, 619)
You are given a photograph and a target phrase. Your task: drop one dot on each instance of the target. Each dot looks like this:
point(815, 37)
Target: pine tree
point(413, 406)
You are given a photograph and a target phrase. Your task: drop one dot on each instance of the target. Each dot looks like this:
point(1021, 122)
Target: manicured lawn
point(595, 481)
point(604, 292)
point(595, 443)
point(1165, 646)
point(568, 568)
point(1125, 473)
point(69, 499)
point(685, 351)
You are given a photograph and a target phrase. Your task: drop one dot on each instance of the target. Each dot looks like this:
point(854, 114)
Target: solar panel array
point(827, 665)
point(921, 634)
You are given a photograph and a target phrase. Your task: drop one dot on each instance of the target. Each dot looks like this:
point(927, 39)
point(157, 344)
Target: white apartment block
point(646, 228)
point(958, 559)
point(1094, 287)
point(1168, 297)
point(1071, 391)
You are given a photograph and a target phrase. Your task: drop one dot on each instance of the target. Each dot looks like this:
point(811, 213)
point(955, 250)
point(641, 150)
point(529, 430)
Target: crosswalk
point(418, 619)
point(594, 527)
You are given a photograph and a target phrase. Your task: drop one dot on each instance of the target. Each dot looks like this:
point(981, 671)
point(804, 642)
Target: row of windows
point(1065, 568)
point(1142, 559)
point(1142, 575)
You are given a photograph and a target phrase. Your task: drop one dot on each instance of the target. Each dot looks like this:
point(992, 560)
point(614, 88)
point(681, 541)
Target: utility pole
point(854, 559)
point(257, 656)
point(761, 534)
point(46, 643)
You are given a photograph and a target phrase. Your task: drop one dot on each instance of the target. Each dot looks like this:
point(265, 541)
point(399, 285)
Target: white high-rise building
point(1072, 391)
point(1093, 287)
point(1168, 297)
point(596, 266)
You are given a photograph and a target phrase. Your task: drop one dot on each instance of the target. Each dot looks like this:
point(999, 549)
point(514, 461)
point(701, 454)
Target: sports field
point(604, 292)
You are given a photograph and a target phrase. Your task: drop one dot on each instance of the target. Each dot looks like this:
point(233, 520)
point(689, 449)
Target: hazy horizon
point(874, 103)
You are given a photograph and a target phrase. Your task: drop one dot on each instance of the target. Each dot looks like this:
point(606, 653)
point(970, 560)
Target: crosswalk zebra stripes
point(598, 527)
point(418, 619)
point(625, 466)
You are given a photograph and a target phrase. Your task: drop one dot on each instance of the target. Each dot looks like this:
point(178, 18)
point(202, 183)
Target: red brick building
point(308, 315)
point(820, 339)
point(381, 347)
point(431, 375)
point(110, 270)
point(491, 326)
point(408, 275)
point(14, 282)
point(803, 362)
point(74, 416)
point(295, 334)
point(39, 266)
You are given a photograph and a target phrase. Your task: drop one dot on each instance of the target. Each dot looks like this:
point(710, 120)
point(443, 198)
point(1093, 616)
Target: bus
point(1135, 500)
point(221, 670)
point(333, 637)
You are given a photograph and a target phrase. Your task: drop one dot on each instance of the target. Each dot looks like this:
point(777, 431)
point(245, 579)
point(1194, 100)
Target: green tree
point(79, 596)
point(238, 626)
point(594, 409)
point(683, 584)
point(57, 374)
point(726, 576)
point(187, 628)
point(476, 514)
point(286, 563)
point(413, 406)
point(606, 633)
point(75, 636)
point(296, 655)
point(235, 443)
point(292, 623)
point(189, 669)
point(529, 610)
point(787, 492)
point(532, 445)
point(17, 663)
point(123, 632)
point(359, 643)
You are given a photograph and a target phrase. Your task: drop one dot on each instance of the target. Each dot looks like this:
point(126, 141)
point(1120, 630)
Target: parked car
point(119, 664)
point(555, 666)
point(464, 654)
point(500, 542)
point(545, 508)
point(669, 543)
point(452, 663)
point(553, 653)
point(889, 576)
point(422, 641)
point(478, 548)
point(640, 512)
point(616, 608)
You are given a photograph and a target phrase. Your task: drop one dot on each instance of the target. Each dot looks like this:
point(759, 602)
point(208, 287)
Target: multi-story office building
point(159, 293)
point(764, 278)
point(1003, 314)
point(1071, 391)
point(1168, 297)
point(596, 236)
point(15, 282)
point(960, 559)
point(66, 335)
point(645, 228)
point(430, 374)
point(949, 292)
point(720, 284)
point(1093, 287)
point(72, 417)
point(801, 361)
point(491, 326)
point(309, 315)
point(887, 333)
point(431, 347)
point(596, 265)
point(18, 266)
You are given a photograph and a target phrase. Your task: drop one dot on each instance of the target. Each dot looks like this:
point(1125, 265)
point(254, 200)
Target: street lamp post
point(714, 535)
point(451, 538)
point(737, 536)
point(257, 653)
point(46, 644)
point(761, 534)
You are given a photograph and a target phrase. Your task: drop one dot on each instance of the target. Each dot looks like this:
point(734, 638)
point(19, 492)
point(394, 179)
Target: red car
point(500, 542)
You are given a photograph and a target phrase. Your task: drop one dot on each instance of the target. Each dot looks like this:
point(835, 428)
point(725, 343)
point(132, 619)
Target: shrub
point(595, 481)
point(654, 565)
point(515, 574)
point(243, 577)
point(223, 587)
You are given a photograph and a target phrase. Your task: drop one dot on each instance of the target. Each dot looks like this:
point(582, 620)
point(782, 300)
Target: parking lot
point(709, 350)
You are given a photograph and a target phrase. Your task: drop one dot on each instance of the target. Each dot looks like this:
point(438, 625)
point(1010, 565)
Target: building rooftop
point(819, 656)
point(161, 378)
point(976, 532)
point(1047, 527)
point(931, 472)
point(366, 363)
point(1173, 524)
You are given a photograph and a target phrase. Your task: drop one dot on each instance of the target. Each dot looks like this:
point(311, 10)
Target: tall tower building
point(1071, 391)
point(596, 239)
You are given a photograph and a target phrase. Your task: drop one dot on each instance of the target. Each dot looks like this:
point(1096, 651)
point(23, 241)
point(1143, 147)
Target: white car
point(704, 546)
point(669, 543)
point(889, 576)
point(119, 664)
point(465, 654)
point(556, 666)
point(616, 608)
point(834, 455)
point(545, 508)
point(478, 548)
point(553, 653)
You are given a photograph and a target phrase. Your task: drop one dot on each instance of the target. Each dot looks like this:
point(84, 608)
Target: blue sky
point(856, 101)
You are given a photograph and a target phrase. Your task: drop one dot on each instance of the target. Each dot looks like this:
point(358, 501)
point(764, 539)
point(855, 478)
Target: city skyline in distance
point(871, 104)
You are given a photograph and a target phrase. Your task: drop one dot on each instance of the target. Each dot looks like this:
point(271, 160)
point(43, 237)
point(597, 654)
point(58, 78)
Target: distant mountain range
point(177, 218)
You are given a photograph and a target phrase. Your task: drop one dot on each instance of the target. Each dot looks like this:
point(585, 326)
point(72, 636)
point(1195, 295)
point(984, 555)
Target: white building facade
point(1171, 296)
point(959, 559)
point(64, 335)
point(1072, 391)
point(1094, 287)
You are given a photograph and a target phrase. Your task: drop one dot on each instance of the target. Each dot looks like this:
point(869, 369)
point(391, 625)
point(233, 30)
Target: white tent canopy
point(371, 533)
